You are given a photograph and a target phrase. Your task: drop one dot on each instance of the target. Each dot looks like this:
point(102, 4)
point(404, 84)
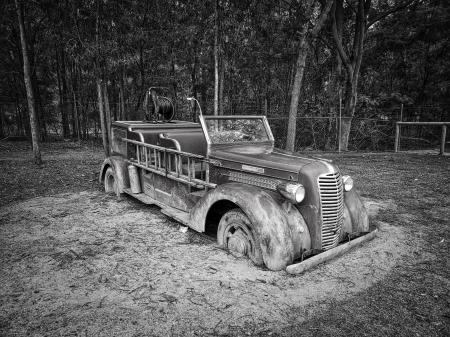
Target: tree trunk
point(65, 94)
point(194, 81)
point(300, 67)
point(98, 67)
point(76, 105)
point(2, 133)
point(350, 99)
point(296, 86)
point(107, 112)
point(20, 125)
point(77, 118)
point(62, 110)
point(352, 64)
point(216, 57)
point(346, 124)
point(119, 117)
point(30, 95)
point(62, 101)
point(335, 81)
point(267, 90)
point(101, 111)
point(114, 102)
point(38, 105)
point(36, 92)
point(221, 85)
point(174, 82)
point(122, 96)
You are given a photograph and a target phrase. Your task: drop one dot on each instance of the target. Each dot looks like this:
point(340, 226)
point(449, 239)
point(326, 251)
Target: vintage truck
point(224, 177)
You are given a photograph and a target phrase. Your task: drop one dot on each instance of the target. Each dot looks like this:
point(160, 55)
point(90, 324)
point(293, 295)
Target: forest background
point(327, 74)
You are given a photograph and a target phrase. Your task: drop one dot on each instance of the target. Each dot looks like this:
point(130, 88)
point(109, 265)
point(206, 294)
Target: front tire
point(236, 234)
point(110, 181)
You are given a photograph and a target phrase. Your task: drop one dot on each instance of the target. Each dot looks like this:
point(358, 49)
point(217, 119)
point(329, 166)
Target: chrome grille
point(252, 179)
point(332, 210)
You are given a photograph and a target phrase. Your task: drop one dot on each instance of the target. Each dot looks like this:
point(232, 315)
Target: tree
point(413, 44)
point(29, 88)
point(352, 62)
point(216, 57)
point(100, 93)
point(306, 33)
point(272, 56)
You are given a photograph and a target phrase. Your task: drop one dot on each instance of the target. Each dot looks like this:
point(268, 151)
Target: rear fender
point(120, 169)
point(280, 228)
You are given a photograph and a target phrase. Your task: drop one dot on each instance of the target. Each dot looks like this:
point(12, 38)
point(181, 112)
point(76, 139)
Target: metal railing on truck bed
point(188, 168)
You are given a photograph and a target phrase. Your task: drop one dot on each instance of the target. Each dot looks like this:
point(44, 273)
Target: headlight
point(293, 192)
point(348, 183)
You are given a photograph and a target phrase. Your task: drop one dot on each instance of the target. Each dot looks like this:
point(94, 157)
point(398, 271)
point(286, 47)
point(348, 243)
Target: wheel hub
point(238, 243)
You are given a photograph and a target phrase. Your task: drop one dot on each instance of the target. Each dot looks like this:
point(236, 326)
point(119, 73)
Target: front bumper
point(298, 268)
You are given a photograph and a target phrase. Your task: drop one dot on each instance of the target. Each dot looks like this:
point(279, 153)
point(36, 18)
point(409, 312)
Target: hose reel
point(157, 108)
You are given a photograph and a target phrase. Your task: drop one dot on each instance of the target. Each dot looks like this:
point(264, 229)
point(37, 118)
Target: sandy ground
point(89, 264)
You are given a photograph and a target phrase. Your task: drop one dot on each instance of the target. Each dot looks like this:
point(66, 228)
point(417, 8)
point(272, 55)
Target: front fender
point(356, 218)
point(280, 228)
point(120, 169)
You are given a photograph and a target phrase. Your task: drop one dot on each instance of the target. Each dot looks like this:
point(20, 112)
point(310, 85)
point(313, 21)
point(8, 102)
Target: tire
point(236, 234)
point(110, 182)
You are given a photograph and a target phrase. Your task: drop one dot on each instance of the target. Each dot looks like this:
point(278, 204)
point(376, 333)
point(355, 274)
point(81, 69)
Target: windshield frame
point(204, 118)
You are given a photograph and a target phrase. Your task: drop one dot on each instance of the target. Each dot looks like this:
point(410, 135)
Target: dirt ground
point(75, 261)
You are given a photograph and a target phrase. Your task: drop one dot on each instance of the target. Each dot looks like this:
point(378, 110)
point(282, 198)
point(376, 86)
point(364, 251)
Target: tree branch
point(322, 18)
point(359, 35)
point(394, 9)
point(339, 46)
point(351, 6)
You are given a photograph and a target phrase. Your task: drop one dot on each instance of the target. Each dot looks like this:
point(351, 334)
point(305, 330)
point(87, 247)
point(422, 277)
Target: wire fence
point(313, 133)
point(321, 133)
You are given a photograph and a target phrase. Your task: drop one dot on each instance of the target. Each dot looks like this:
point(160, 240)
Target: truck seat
point(192, 141)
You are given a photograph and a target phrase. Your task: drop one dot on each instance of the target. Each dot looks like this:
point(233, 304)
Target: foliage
point(132, 45)
point(236, 130)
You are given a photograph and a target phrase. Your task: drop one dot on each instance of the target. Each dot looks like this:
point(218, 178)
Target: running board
point(298, 268)
point(178, 215)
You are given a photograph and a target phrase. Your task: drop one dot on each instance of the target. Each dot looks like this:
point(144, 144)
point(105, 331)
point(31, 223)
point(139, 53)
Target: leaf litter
point(77, 261)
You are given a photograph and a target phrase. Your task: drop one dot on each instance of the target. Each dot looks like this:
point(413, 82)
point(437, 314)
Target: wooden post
point(397, 136)
point(401, 120)
point(443, 136)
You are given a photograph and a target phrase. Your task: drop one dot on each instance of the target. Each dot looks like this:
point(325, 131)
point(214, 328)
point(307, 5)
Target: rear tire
point(110, 181)
point(236, 234)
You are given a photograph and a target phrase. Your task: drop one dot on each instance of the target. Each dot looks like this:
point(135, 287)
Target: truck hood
point(265, 160)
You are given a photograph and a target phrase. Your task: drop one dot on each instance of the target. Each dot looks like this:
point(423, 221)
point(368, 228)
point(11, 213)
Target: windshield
point(236, 130)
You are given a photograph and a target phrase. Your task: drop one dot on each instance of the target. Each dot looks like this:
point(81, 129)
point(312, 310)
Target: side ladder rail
point(172, 163)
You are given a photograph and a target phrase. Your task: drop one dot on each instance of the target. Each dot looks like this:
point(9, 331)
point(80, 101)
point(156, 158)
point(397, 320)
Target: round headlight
point(299, 193)
point(293, 192)
point(348, 183)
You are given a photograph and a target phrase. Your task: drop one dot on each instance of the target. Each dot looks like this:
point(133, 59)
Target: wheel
point(235, 234)
point(110, 181)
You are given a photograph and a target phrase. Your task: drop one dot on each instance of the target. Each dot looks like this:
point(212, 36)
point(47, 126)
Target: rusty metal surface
point(275, 164)
point(273, 225)
point(245, 175)
point(301, 267)
point(120, 169)
point(356, 212)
